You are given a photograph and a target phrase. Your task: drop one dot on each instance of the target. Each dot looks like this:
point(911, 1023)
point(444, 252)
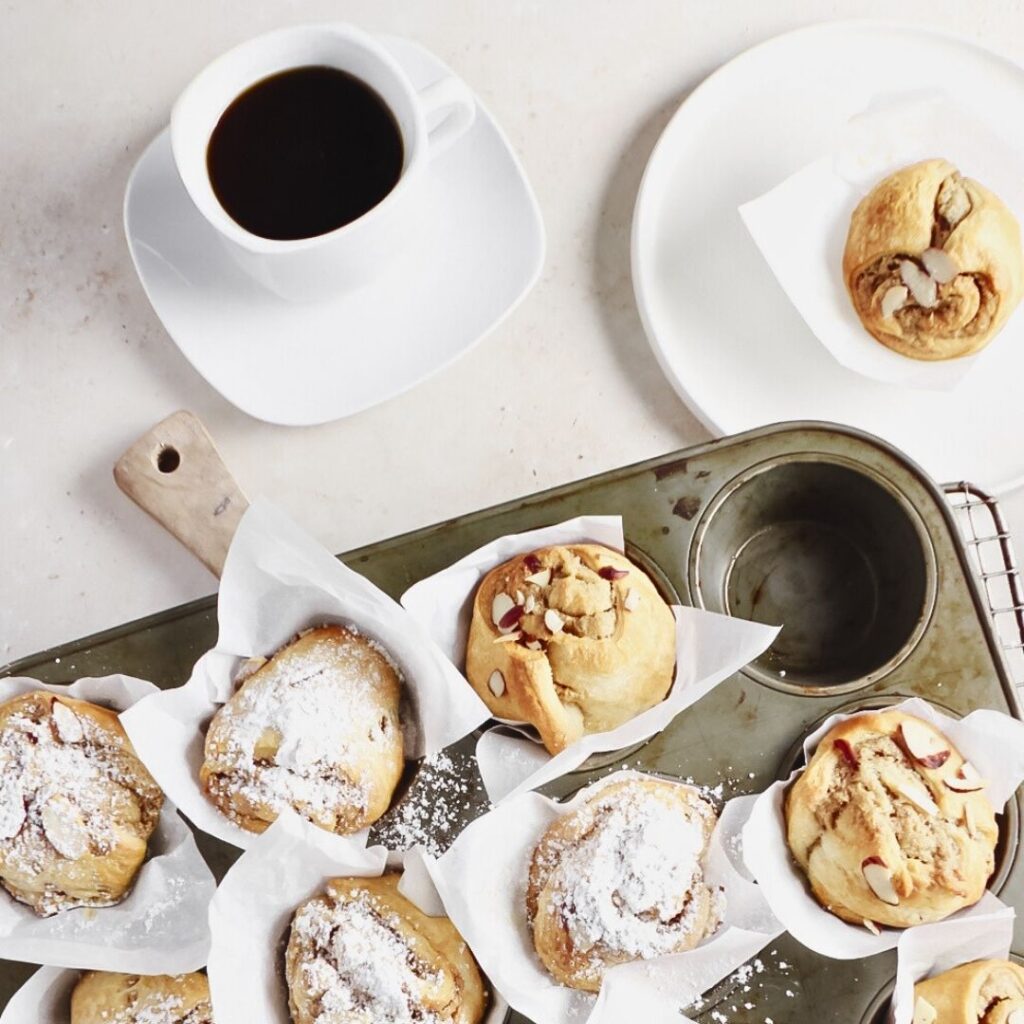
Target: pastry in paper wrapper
point(77, 807)
point(315, 728)
point(103, 997)
point(889, 825)
point(573, 639)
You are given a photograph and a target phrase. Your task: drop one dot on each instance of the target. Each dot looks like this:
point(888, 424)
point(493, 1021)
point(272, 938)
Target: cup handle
point(452, 99)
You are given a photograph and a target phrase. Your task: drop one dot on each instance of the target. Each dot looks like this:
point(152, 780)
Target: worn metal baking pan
point(825, 528)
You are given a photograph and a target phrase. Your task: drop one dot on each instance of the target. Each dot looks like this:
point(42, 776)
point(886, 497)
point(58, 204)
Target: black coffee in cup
point(304, 152)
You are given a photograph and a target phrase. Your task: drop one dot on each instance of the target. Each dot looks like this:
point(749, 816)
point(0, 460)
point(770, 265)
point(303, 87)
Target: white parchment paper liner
point(482, 880)
point(800, 225)
point(251, 912)
point(991, 741)
point(161, 926)
point(930, 949)
point(44, 999)
point(709, 647)
point(278, 581)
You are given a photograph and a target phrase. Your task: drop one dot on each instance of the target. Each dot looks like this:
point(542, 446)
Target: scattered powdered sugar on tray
point(744, 989)
point(446, 794)
point(355, 964)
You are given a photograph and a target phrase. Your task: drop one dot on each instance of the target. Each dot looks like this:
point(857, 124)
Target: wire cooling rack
point(990, 549)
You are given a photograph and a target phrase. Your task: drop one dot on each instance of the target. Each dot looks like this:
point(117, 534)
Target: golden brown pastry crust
point(611, 656)
point(616, 881)
point(854, 805)
point(981, 992)
point(101, 997)
point(77, 807)
point(894, 233)
point(362, 952)
point(315, 728)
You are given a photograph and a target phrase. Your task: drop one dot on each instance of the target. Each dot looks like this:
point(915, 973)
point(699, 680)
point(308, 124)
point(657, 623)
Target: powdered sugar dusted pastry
point(101, 997)
point(933, 262)
point(315, 728)
point(620, 879)
point(890, 824)
point(362, 953)
point(572, 639)
point(981, 992)
point(77, 807)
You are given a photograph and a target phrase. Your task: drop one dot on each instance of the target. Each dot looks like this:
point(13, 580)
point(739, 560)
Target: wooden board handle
point(176, 474)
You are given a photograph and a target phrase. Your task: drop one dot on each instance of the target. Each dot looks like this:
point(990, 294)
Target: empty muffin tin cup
point(831, 551)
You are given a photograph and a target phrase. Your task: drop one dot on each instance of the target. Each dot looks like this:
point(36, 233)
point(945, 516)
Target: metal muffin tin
point(829, 528)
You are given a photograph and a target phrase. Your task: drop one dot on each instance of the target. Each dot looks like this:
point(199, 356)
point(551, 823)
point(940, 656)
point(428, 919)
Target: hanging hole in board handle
point(176, 474)
point(168, 459)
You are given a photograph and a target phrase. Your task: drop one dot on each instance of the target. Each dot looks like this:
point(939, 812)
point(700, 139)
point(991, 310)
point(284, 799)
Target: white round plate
point(726, 335)
point(479, 251)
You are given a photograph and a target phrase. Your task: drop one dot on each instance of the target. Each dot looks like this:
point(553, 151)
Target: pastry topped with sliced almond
point(980, 992)
point(315, 728)
point(572, 639)
point(77, 806)
point(890, 824)
point(933, 262)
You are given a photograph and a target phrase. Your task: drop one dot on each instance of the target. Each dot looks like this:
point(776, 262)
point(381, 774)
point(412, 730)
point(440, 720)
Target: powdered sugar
point(361, 968)
point(633, 885)
point(298, 736)
point(64, 792)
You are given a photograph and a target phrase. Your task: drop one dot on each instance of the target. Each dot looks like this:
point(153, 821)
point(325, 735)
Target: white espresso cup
point(317, 267)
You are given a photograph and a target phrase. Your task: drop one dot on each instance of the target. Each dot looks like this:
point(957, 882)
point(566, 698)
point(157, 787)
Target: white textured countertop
point(565, 388)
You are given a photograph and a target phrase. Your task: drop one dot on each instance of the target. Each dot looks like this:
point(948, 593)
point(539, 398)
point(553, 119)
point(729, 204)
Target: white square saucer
point(479, 251)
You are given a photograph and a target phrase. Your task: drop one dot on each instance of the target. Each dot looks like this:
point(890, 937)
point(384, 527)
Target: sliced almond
point(879, 880)
point(872, 927)
point(64, 828)
point(496, 683)
point(846, 752)
point(67, 723)
point(926, 746)
point(530, 604)
point(520, 597)
point(924, 1012)
point(921, 286)
point(967, 780)
point(631, 601)
point(540, 579)
point(508, 638)
point(249, 667)
point(894, 299)
point(970, 822)
point(500, 607)
point(914, 791)
point(940, 265)
point(534, 645)
point(12, 810)
point(554, 621)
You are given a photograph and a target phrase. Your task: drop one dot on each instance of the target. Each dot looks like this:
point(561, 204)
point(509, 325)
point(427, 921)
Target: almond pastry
point(101, 997)
point(362, 953)
point(933, 262)
point(590, 645)
point(621, 879)
point(890, 824)
point(315, 728)
point(77, 807)
point(982, 992)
